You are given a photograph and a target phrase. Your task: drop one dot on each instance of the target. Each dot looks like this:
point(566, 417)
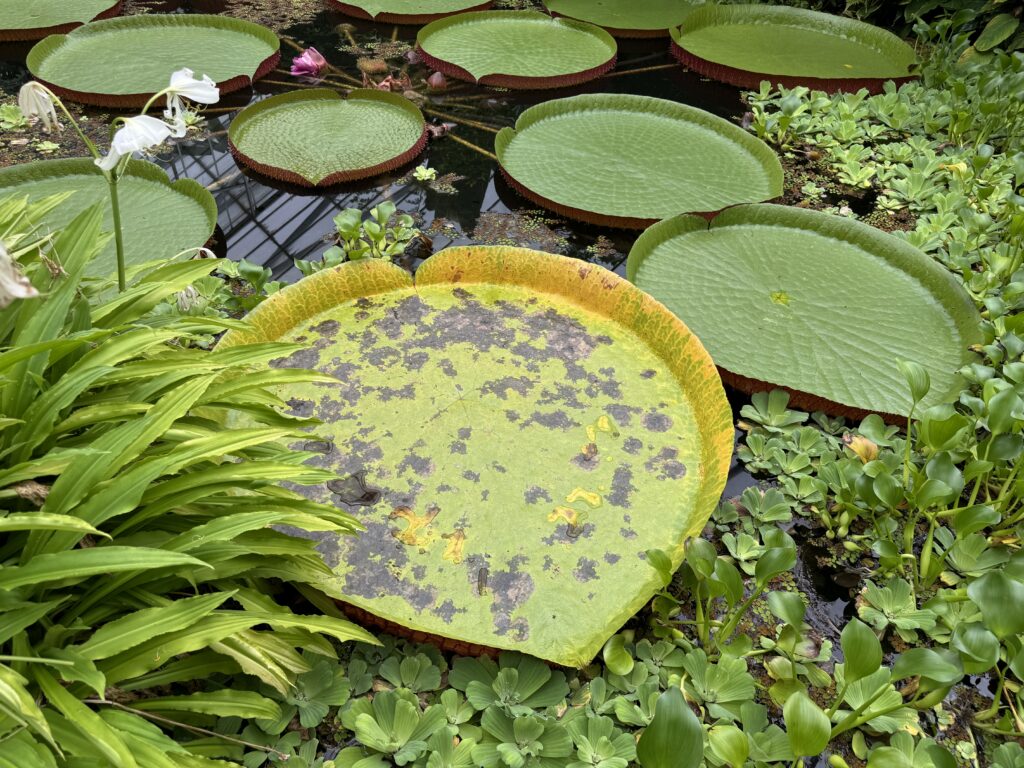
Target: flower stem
point(74, 123)
point(118, 235)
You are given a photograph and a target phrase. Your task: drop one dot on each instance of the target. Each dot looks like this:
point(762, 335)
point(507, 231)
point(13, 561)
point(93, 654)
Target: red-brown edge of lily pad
point(752, 80)
point(38, 33)
point(339, 177)
point(636, 34)
point(128, 100)
point(518, 82)
point(401, 18)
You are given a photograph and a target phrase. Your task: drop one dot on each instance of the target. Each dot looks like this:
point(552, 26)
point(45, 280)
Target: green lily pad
point(21, 20)
point(625, 18)
point(160, 218)
point(517, 49)
point(631, 160)
point(830, 305)
point(745, 44)
point(407, 11)
point(514, 430)
point(123, 62)
point(319, 137)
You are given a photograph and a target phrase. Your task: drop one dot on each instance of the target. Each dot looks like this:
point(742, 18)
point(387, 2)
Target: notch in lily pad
point(531, 427)
point(318, 137)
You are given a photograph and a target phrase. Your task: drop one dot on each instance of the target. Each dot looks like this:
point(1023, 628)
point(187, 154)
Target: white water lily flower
point(13, 284)
point(35, 101)
point(136, 135)
point(185, 86)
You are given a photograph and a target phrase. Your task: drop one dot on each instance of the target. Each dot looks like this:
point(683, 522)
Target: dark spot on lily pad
point(657, 422)
point(585, 570)
point(535, 493)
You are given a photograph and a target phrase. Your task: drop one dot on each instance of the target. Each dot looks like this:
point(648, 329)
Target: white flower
point(137, 134)
point(13, 284)
point(185, 86)
point(35, 101)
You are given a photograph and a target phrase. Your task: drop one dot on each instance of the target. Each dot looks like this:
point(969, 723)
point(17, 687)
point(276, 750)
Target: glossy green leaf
point(445, 421)
point(807, 727)
point(730, 745)
point(862, 653)
point(635, 159)
point(993, 593)
point(160, 218)
point(521, 44)
point(616, 657)
point(625, 17)
point(225, 703)
point(925, 662)
point(78, 564)
point(998, 30)
point(323, 137)
point(783, 264)
point(675, 738)
point(135, 55)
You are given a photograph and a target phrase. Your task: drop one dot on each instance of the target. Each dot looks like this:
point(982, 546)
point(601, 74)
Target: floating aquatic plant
point(21, 20)
point(625, 18)
point(407, 11)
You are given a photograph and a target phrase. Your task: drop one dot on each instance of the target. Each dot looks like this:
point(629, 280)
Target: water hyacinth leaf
point(123, 62)
point(745, 44)
point(788, 606)
point(730, 745)
point(992, 593)
point(319, 137)
point(160, 218)
point(616, 657)
point(625, 18)
point(807, 727)
point(942, 668)
point(675, 738)
point(517, 49)
point(861, 650)
point(406, 11)
point(505, 384)
point(628, 161)
point(782, 265)
point(35, 20)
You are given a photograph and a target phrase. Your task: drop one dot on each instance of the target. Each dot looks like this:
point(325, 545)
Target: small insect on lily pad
point(514, 430)
point(625, 18)
point(407, 11)
point(628, 161)
point(123, 62)
point(517, 49)
point(160, 218)
point(35, 19)
point(822, 305)
point(745, 44)
point(319, 137)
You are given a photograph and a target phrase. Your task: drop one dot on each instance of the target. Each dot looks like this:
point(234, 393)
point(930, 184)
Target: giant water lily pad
point(745, 44)
point(632, 160)
point(514, 430)
point(123, 62)
point(517, 49)
point(35, 19)
point(625, 18)
point(319, 137)
point(407, 11)
point(160, 219)
point(822, 305)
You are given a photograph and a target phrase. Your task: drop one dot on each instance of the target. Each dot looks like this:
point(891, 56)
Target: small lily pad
point(745, 44)
point(517, 49)
point(35, 19)
point(407, 11)
point(628, 161)
point(318, 137)
point(161, 218)
point(625, 18)
point(514, 430)
point(822, 305)
point(123, 62)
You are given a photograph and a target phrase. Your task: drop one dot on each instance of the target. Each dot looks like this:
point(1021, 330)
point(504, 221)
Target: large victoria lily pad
point(35, 19)
point(819, 304)
point(631, 160)
point(514, 431)
point(123, 62)
point(407, 11)
point(160, 219)
point(517, 49)
point(319, 137)
point(745, 44)
point(625, 18)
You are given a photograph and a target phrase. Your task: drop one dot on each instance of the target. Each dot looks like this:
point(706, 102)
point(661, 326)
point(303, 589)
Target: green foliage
point(376, 237)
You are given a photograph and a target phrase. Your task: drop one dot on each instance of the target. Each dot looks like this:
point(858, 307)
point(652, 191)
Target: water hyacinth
point(309, 64)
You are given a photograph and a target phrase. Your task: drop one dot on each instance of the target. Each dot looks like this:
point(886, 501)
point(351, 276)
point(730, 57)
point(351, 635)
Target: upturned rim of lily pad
point(553, 7)
point(588, 286)
point(933, 279)
point(708, 16)
point(299, 97)
point(511, 80)
point(396, 17)
point(48, 46)
point(29, 34)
